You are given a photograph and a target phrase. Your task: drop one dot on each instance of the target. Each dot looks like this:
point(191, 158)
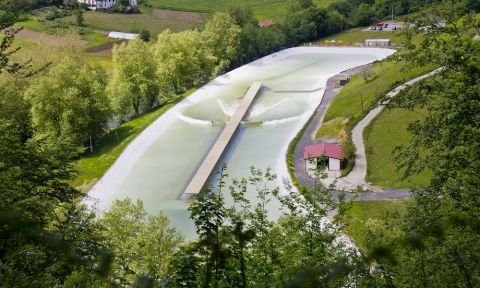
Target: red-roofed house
point(320, 155)
point(265, 23)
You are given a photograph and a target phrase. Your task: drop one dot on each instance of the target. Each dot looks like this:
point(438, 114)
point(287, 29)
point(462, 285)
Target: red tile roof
point(323, 149)
point(265, 23)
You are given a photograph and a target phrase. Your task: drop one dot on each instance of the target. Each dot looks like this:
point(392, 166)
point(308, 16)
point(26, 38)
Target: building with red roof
point(328, 155)
point(265, 23)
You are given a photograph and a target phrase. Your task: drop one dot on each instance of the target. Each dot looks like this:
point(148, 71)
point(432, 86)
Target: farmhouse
point(104, 4)
point(323, 155)
point(377, 42)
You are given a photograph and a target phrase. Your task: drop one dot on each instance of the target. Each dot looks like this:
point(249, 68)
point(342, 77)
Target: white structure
point(122, 36)
point(323, 155)
point(104, 4)
point(377, 42)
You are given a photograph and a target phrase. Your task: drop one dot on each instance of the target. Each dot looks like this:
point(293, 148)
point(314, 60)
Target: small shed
point(341, 80)
point(122, 35)
point(323, 155)
point(377, 42)
point(265, 23)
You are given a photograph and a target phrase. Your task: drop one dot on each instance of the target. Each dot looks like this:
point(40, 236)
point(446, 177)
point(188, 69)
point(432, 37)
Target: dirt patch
point(193, 17)
point(38, 37)
point(104, 49)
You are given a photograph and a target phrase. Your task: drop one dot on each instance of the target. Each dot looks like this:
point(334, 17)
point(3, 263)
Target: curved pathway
point(356, 178)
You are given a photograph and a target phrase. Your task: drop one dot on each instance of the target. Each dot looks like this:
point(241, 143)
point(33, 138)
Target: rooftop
point(323, 149)
point(122, 35)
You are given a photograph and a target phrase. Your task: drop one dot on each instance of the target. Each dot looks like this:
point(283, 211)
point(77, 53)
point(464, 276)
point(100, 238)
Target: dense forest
point(53, 104)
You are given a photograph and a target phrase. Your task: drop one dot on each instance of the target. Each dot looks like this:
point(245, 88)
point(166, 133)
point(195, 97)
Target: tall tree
point(143, 245)
point(440, 229)
point(133, 86)
point(69, 105)
point(182, 60)
point(222, 36)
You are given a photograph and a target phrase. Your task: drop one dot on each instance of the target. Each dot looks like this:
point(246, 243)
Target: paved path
point(308, 136)
point(357, 176)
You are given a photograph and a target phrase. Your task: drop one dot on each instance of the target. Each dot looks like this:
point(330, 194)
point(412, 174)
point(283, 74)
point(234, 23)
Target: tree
point(366, 73)
point(79, 18)
point(145, 35)
point(143, 244)
point(239, 245)
point(362, 15)
point(298, 5)
point(222, 36)
point(44, 236)
point(133, 85)
point(241, 14)
point(439, 233)
point(68, 105)
point(299, 28)
point(183, 60)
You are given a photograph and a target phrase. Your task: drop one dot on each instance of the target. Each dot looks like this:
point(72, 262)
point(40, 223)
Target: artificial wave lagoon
point(159, 164)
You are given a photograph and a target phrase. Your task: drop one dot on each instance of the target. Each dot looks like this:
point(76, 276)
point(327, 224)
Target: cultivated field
point(265, 9)
point(153, 20)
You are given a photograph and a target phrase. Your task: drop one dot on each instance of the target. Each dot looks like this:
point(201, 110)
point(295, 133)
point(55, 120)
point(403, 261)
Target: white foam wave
point(228, 109)
point(193, 120)
point(279, 121)
point(260, 109)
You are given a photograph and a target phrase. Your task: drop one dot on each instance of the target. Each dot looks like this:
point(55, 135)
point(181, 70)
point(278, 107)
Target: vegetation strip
point(91, 166)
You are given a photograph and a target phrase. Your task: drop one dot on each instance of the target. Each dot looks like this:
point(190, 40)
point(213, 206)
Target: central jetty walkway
point(209, 163)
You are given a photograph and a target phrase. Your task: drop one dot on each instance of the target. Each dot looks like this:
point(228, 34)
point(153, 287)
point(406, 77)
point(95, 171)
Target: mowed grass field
point(363, 215)
point(358, 35)
point(358, 97)
point(263, 9)
point(150, 20)
point(387, 131)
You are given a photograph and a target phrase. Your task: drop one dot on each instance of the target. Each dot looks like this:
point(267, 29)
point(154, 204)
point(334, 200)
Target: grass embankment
point(265, 9)
point(387, 131)
point(358, 97)
point(358, 35)
point(363, 215)
point(92, 166)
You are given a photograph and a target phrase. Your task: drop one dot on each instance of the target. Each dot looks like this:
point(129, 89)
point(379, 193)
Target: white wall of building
point(104, 4)
point(334, 164)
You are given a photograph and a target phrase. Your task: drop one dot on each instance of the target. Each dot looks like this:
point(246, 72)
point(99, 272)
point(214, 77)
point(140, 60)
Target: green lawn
point(348, 102)
point(357, 35)
point(131, 22)
point(96, 39)
point(92, 166)
point(361, 215)
point(387, 131)
point(264, 9)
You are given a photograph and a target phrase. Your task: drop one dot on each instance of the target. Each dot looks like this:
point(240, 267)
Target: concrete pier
point(213, 156)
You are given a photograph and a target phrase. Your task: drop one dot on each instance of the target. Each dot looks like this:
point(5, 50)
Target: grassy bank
point(363, 215)
point(387, 131)
point(92, 166)
point(358, 35)
point(358, 97)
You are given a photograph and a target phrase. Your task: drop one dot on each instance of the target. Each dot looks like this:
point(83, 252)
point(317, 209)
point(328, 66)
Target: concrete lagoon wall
point(158, 165)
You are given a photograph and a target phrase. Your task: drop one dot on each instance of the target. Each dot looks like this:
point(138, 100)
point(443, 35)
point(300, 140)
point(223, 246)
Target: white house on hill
point(104, 4)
